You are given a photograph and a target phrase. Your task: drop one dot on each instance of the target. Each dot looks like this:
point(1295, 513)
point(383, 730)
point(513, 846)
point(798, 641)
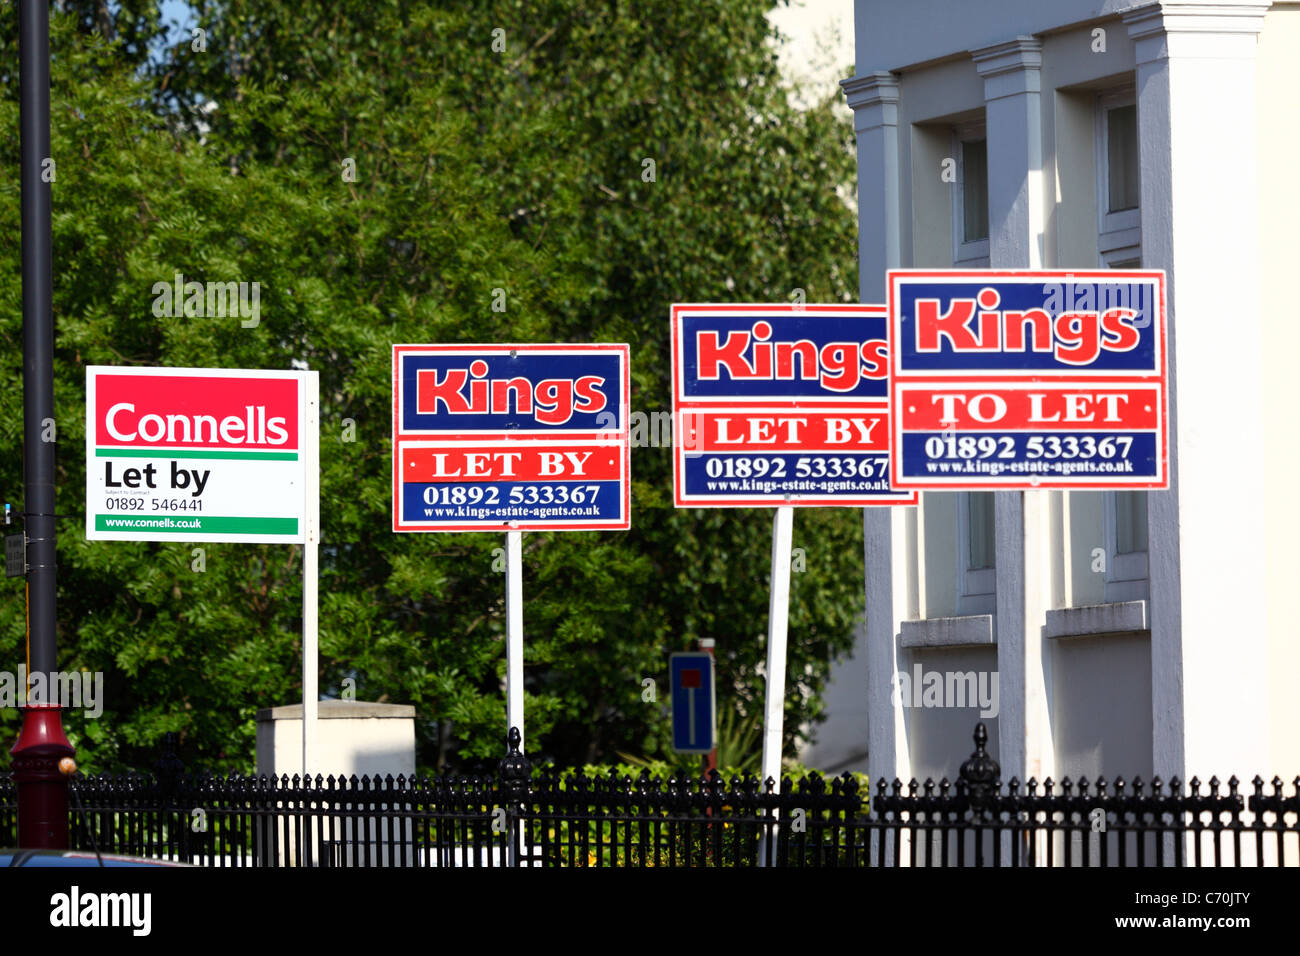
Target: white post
point(311, 460)
point(777, 620)
point(515, 634)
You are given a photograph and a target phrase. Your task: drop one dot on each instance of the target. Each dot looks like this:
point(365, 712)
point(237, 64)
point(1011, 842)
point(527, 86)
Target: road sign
point(15, 555)
point(1020, 380)
point(691, 676)
point(511, 437)
point(185, 454)
point(781, 405)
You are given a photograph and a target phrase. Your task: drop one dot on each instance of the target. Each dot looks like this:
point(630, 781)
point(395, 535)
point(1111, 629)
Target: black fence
point(521, 816)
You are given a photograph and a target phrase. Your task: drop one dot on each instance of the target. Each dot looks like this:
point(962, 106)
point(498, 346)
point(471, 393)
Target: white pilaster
point(1013, 118)
point(1197, 130)
point(874, 101)
point(887, 556)
point(1013, 123)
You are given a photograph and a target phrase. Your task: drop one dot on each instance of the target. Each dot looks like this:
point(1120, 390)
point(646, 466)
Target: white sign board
point(183, 454)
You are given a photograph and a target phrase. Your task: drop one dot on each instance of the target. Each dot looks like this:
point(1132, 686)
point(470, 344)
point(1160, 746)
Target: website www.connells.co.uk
point(128, 524)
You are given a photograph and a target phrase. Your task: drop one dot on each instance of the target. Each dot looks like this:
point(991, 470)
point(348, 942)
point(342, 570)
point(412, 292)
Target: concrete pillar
point(1013, 119)
point(1197, 130)
point(888, 563)
point(874, 100)
point(1013, 124)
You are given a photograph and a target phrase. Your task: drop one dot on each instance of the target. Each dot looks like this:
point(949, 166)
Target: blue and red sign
point(511, 437)
point(781, 404)
point(1019, 380)
point(693, 702)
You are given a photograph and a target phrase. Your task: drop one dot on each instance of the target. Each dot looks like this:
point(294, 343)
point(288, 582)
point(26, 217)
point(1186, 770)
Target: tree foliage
point(597, 162)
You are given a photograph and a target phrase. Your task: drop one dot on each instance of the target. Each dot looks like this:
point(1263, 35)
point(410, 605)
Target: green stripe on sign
point(196, 525)
point(195, 453)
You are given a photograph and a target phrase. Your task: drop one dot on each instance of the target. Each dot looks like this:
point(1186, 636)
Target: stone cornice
point(873, 99)
point(878, 87)
point(1010, 68)
point(1010, 56)
point(1198, 30)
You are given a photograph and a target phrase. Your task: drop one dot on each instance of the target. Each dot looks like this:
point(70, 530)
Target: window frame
point(1118, 233)
point(973, 254)
point(1128, 575)
point(976, 587)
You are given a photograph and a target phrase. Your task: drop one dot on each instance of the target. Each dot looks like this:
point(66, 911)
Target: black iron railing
point(521, 816)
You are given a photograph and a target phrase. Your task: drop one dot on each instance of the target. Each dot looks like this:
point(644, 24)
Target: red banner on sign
point(195, 412)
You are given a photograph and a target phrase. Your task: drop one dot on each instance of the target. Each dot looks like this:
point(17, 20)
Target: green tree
point(597, 162)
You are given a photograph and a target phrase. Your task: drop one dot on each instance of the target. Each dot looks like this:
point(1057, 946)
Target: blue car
point(76, 858)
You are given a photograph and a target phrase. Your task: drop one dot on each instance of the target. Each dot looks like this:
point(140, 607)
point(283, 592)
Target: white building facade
point(1129, 633)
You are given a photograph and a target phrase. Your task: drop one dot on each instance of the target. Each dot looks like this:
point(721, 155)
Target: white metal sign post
point(778, 617)
point(206, 454)
point(515, 633)
point(310, 577)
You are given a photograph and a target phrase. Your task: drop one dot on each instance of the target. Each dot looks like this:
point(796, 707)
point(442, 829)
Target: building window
point(975, 190)
point(1126, 546)
point(976, 554)
point(1127, 567)
point(979, 516)
point(1118, 177)
point(1130, 522)
point(1121, 158)
point(971, 204)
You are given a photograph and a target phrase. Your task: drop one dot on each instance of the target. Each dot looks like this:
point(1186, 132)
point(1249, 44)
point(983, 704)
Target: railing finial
point(514, 769)
point(979, 776)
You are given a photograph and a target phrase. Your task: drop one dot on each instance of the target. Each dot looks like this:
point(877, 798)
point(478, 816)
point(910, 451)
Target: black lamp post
point(42, 757)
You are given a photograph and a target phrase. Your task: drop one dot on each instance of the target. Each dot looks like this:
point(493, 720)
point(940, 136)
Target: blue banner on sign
point(494, 503)
point(474, 392)
point(798, 356)
point(691, 676)
point(1049, 455)
point(1048, 325)
point(812, 474)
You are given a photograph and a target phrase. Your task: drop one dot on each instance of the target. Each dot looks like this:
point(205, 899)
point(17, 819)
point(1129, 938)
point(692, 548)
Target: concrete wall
point(895, 36)
point(354, 737)
point(841, 744)
point(940, 737)
point(1102, 706)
